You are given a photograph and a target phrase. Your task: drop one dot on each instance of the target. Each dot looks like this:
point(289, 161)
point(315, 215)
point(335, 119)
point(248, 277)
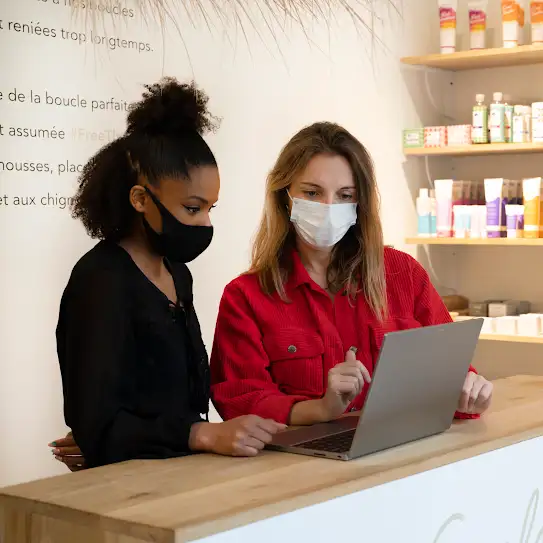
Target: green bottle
point(479, 132)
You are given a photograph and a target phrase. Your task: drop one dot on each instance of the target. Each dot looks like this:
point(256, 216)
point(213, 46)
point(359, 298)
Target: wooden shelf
point(477, 149)
point(512, 339)
point(489, 242)
point(477, 60)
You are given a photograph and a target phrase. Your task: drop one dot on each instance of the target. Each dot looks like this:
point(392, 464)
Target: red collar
point(298, 275)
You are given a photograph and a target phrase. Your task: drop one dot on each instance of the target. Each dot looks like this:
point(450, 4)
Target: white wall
point(264, 96)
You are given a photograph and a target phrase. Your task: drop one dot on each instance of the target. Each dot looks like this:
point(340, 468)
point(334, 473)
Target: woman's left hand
point(66, 451)
point(476, 395)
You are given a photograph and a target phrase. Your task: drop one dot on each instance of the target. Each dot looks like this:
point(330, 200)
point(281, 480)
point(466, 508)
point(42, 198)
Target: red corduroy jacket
point(269, 354)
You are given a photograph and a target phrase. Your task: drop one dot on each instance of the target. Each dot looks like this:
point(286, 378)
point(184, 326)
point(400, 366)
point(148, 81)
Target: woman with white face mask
point(298, 336)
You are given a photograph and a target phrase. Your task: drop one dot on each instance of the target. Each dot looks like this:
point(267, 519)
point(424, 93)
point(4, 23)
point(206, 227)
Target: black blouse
point(134, 368)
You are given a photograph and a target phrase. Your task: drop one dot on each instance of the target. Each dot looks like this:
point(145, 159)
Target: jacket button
point(292, 349)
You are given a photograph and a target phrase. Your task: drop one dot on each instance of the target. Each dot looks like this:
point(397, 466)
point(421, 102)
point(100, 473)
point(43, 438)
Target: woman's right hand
point(242, 436)
point(345, 383)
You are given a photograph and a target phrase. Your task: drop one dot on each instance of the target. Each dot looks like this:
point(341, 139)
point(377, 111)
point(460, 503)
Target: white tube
point(536, 17)
point(447, 25)
point(477, 23)
point(511, 23)
point(444, 201)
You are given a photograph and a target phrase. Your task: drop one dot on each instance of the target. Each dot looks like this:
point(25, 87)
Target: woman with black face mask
point(134, 367)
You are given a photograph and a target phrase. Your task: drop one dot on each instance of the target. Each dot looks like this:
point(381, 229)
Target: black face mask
point(177, 242)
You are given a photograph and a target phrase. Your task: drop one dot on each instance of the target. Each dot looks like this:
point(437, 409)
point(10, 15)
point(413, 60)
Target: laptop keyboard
point(337, 443)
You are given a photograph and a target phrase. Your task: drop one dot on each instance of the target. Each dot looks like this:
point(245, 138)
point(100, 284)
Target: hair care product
point(424, 212)
point(433, 214)
point(479, 133)
point(477, 23)
point(515, 220)
point(413, 138)
point(459, 134)
point(477, 221)
point(533, 207)
point(528, 123)
point(537, 122)
point(508, 113)
point(511, 23)
point(496, 200)
point(462, 221)
point(447, 25)
point(522, 124)
point(497, 119)
point(435, 136)
point(444, 198)
point(536, 17)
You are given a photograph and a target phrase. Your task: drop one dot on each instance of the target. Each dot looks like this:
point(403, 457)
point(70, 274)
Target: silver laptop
point(414, 394)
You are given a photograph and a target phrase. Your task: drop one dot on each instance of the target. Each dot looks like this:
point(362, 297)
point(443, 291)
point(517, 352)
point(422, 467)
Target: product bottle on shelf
point(479, 131)
point(433, 214)
point(528, 123)
point(424, 212)
point(497, 119)
point(537, 122)
point(508, 112)
point(519, 124)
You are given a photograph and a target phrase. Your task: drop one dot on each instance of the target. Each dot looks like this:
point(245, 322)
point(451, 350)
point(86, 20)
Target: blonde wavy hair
point(357, 262)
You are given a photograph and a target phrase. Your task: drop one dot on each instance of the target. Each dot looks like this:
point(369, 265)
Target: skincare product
point(508, 111)
point(515, 220)
point(462, 221)
point(478, 221)
point(424, 212)
point(444, 196)
point(537, 122)
point(518, 124)
point(496, 199)
point(522, 124)
point(532, 190)
point(459, 134)
point(447, 25)
point(497, 119)
point(511, 23)
point(435, 136)
point(536, 18)
point(477, 23)
point(528, 123)
point(413, 138)
point(479, 132)
point(433, 214)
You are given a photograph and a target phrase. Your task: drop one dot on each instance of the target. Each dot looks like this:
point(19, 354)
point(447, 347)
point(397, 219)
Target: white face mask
point(322, 225)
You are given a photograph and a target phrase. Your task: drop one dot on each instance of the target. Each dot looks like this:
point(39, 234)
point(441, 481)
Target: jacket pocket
point(296, 361)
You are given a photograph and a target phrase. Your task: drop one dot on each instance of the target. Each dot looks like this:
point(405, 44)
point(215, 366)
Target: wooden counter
point(191, 498)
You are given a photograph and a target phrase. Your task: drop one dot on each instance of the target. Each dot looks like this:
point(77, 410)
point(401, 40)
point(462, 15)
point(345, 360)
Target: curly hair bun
point(171, 108)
